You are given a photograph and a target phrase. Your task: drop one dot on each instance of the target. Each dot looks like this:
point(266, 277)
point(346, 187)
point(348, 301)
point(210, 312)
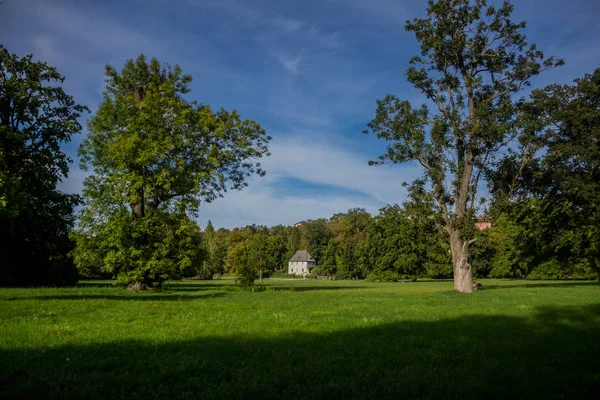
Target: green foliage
point(567, 176)
point(535, 239)
point(149, 147)
point(149, 250)
point(36, 117)
point(293, 242)
point(249, 254)
point(352, 230)
point(385, 276)
point(512, 259)
point(314, 237)
point(483, 252)
point(154, 157)
point(402, 243)
point(276, 252)
point(214, 242)
point(328, 263)
point(242, 263)
point(408, 241)
point(556, 202)
point(259, 251)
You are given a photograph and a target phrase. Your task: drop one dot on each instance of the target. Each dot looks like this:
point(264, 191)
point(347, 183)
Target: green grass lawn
point(304, 339)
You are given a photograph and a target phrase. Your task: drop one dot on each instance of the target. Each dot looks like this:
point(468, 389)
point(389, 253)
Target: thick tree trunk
point(260, 274)
point(463, 276)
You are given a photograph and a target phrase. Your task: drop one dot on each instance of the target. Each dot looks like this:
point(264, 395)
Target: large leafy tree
point(557, 201)
point(277, 251)
point(315, 237)
point(259, 252)
point(568, 176)
point(405, 242)
point(215, 247)
point(352, 229)
point(328, 264)
point(155, 157)
point(36, 117)
point(242, 254)
point(474, 61)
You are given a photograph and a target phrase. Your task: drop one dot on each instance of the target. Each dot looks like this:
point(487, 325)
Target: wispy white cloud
point(300, 157)
point(101, 33)
point(380, 11)
point(287, 24)
point(259, 204)
point(321, 38)
point(292, 64)
point(321, 158)
point(321, 162)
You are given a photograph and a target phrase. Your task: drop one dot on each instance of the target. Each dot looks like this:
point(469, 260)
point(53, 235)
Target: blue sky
point(308, 71)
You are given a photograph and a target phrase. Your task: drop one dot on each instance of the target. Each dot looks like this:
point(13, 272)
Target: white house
point(301, 263)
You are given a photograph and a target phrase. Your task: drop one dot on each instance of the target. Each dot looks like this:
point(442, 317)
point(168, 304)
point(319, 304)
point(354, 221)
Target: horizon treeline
point(400, 242)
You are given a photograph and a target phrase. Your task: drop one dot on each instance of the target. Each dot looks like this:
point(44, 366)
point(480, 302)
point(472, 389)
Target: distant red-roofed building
point(483, 223)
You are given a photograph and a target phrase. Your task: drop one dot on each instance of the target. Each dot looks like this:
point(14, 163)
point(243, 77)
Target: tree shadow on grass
point(560, 284)
point(162, 296)
point(170, 293)
point(551, 355)
point(200, 284)
point(278, 286)
point(293, 288)
point(95, 284)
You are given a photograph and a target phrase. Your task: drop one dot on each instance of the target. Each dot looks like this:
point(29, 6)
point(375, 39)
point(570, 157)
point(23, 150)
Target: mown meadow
point(302, 339)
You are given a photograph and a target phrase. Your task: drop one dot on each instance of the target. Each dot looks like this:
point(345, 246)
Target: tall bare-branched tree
point(474, 61)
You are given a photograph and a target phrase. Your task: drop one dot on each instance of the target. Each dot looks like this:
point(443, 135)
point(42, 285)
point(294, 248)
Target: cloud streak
point(292, 64)
point(287, 24)
point(319, 162)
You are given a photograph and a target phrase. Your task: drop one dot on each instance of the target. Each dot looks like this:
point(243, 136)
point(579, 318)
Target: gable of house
point(301, 256)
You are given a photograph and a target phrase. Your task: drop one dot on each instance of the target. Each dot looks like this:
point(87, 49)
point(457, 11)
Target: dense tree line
point(529, 239)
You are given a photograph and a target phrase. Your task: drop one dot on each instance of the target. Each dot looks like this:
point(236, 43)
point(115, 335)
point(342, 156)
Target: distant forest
point(401, 242)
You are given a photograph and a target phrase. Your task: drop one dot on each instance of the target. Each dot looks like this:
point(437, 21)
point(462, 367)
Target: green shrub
point(438, 270)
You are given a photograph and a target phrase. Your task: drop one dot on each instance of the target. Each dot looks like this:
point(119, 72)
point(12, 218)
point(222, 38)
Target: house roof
point(302, 255)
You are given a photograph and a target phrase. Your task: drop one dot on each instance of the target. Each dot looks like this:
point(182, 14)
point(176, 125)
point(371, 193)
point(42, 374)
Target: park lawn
point(302, 339)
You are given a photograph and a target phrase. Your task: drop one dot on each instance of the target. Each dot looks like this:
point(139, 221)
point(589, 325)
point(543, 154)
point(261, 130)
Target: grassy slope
point(322, 340)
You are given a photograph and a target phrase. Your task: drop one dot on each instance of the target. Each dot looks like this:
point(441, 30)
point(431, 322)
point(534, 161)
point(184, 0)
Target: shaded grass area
point(320, 340)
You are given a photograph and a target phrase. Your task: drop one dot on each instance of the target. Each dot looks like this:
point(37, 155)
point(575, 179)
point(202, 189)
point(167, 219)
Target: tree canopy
point(474, 61)
point(557, 193)
point(154, 158)
point(36, 117)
